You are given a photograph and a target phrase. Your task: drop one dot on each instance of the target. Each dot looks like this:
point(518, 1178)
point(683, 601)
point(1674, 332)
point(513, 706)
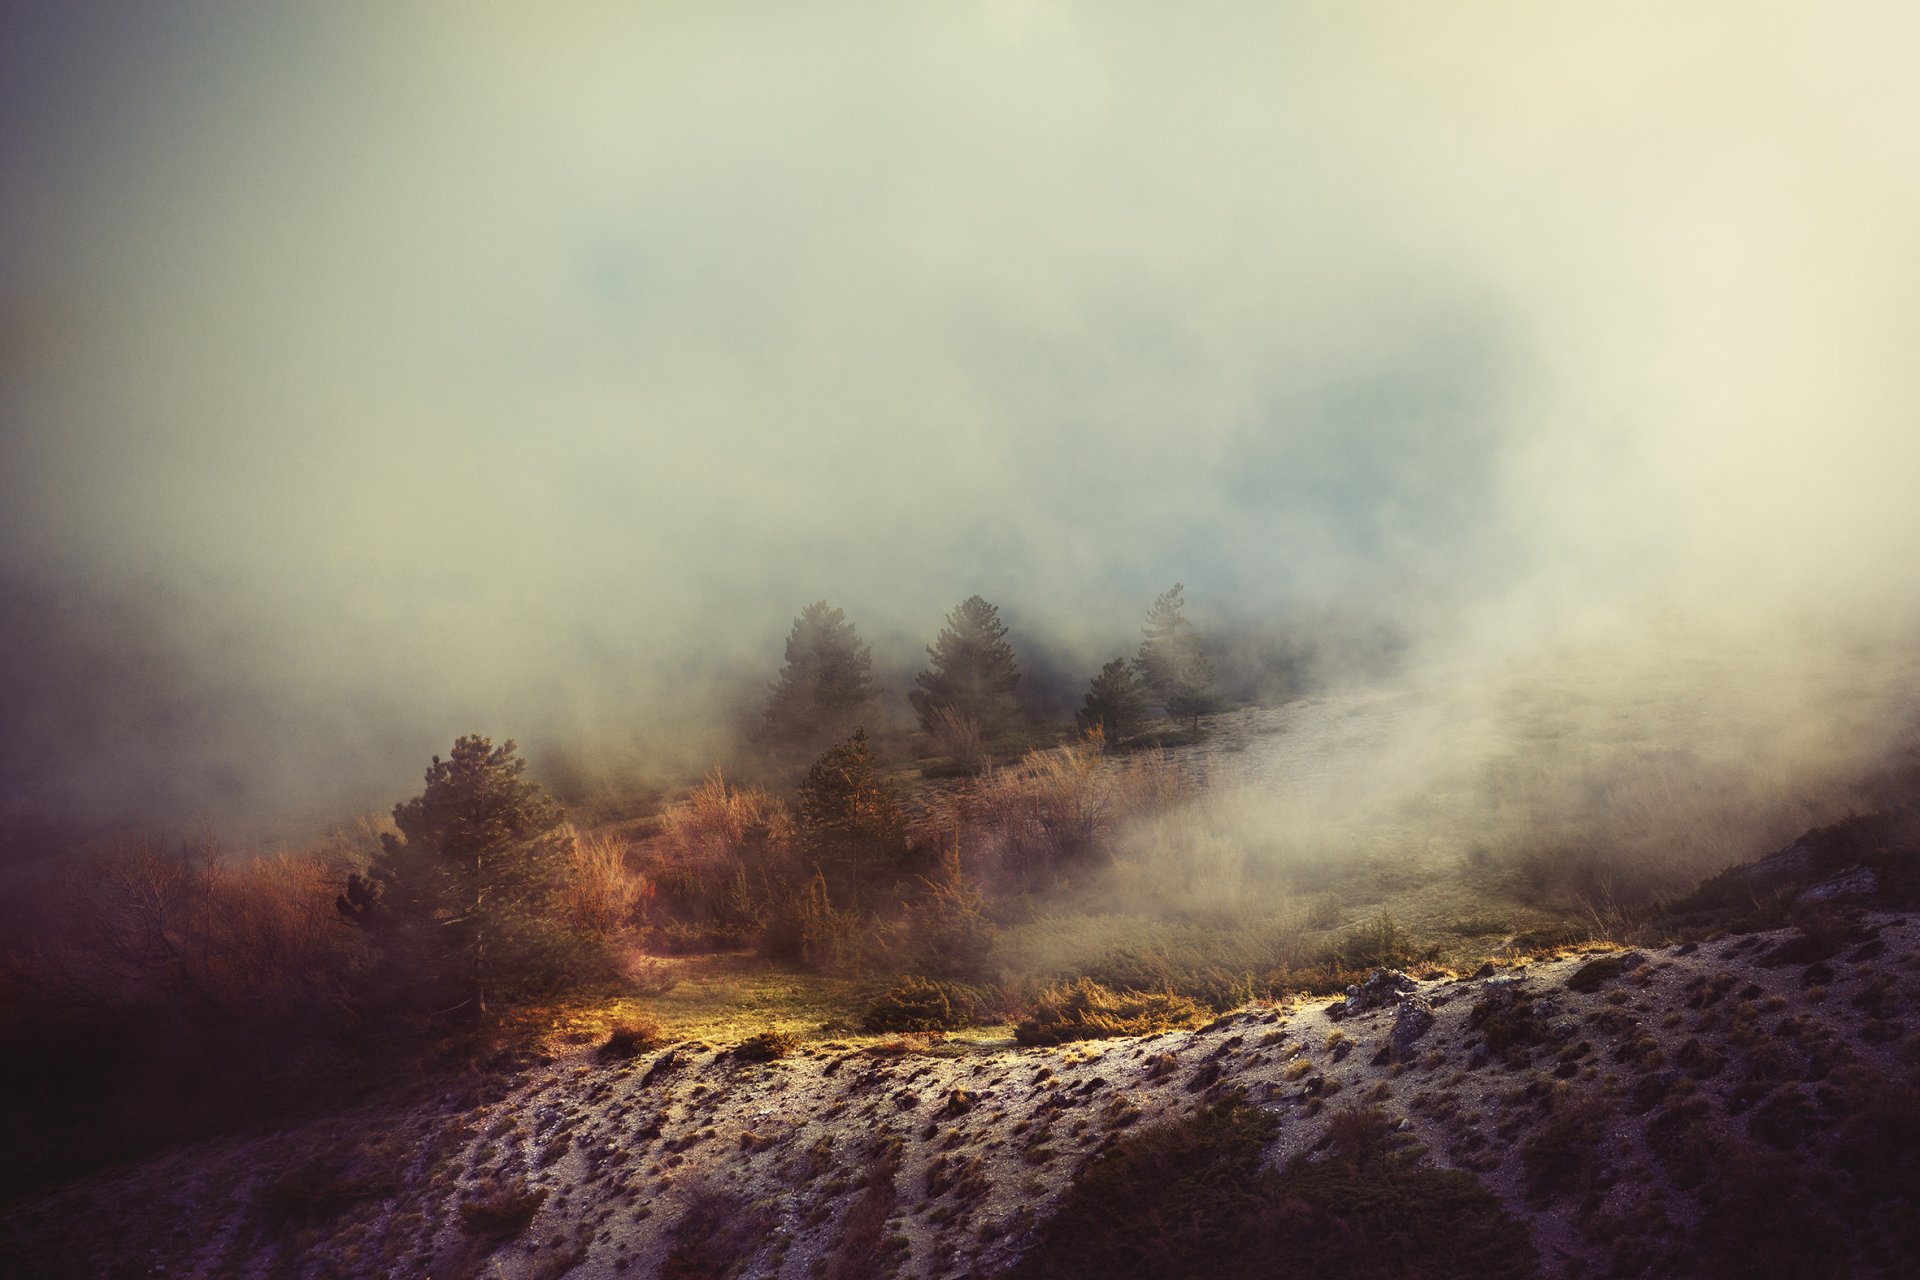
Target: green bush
point(1085, 1010)
point(921, 1004)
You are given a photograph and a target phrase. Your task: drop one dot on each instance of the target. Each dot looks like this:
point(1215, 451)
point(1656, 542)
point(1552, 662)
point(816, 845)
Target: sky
point(371, 374)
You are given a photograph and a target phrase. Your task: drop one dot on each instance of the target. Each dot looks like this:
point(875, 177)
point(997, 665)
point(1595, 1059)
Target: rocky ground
point(1587, 1089)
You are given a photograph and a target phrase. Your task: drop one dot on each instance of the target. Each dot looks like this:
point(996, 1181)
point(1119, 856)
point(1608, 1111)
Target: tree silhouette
point(1116, 702)
point(825, 685)
point(973, 673)
point(1171, 661)
point(461, 901)
point(850, 820)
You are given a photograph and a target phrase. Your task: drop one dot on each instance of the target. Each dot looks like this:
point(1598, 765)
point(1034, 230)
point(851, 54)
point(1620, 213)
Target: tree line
point(967, 695)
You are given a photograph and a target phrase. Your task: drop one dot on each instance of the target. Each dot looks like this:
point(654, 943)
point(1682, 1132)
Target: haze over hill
point(371, 376)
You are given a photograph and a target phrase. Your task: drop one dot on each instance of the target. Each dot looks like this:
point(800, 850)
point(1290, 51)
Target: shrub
point(1085, 1010)
point(320, 1190)
point(1188, 1198)
point(501, 1209)
point(1588, 977)
point(1379, 943)
point(806, 929)
point(721, 826)
point(1563, 1158)
point(920, 1004)
point(947, 930)
point(716, 1237)
point(766, 1046)
point(634, 1035)
point(602, 893)
point(1059, 807)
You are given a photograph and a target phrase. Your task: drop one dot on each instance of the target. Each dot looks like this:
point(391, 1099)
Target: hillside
point(1743, 1106)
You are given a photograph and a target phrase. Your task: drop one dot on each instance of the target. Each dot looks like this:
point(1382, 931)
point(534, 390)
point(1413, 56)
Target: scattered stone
point(1381, 988)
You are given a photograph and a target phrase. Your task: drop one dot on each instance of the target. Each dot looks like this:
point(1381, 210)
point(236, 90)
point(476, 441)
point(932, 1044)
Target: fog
point(373, 375)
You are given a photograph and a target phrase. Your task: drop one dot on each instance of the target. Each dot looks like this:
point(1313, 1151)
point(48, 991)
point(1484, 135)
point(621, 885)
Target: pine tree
point(825, 685)
point(1172, 663)
point(973, 673)
point(1116, 702)
point(850, 820)
point(461, 901)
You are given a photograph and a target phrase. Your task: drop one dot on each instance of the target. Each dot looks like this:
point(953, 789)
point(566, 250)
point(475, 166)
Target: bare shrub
point(648, 976)
point(721, 826)
point(603, 892)
point(1062, 806)
point(723, 855)
point(948, 932)
point(188, 935)
point(956, 733)
point(804, 927)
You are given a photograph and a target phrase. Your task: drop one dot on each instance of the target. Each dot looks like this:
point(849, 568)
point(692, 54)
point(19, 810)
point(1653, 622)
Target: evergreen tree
point(825, 685)
point(973, 673)
point(461, 901)
point(850, 820)
point(1116, 702)
point(1172, 663)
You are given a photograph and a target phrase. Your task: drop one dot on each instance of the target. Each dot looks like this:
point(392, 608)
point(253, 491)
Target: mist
point(372, 376)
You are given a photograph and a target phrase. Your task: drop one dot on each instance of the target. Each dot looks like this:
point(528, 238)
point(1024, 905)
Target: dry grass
point(1085, 1010)
point(1027, 823)
point(604, 892)
point(721, 826)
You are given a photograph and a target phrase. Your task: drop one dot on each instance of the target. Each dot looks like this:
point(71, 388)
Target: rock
point(1413, 1019)
point(1382, 987)
point(1630, 961)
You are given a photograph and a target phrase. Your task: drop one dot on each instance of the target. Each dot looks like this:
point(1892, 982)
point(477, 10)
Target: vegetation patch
point(633, 1036)
point(321, 1190)
point(922, 1004)
point(501, 1209)
point(1187, 1198)
point(1085, 1010)
point(716, 1237)
point(1563, 1158)
point(766, 1046)
point(1589, 976)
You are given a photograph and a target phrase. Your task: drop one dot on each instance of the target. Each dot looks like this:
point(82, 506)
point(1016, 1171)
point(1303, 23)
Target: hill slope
point(1744, 1106)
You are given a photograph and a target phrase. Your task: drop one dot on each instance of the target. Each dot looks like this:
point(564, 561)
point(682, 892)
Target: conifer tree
point(1171, 661)
point(1116, 702)
point(825, 685)
point(461, 901)
point(850, 819)
point(974, 673)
